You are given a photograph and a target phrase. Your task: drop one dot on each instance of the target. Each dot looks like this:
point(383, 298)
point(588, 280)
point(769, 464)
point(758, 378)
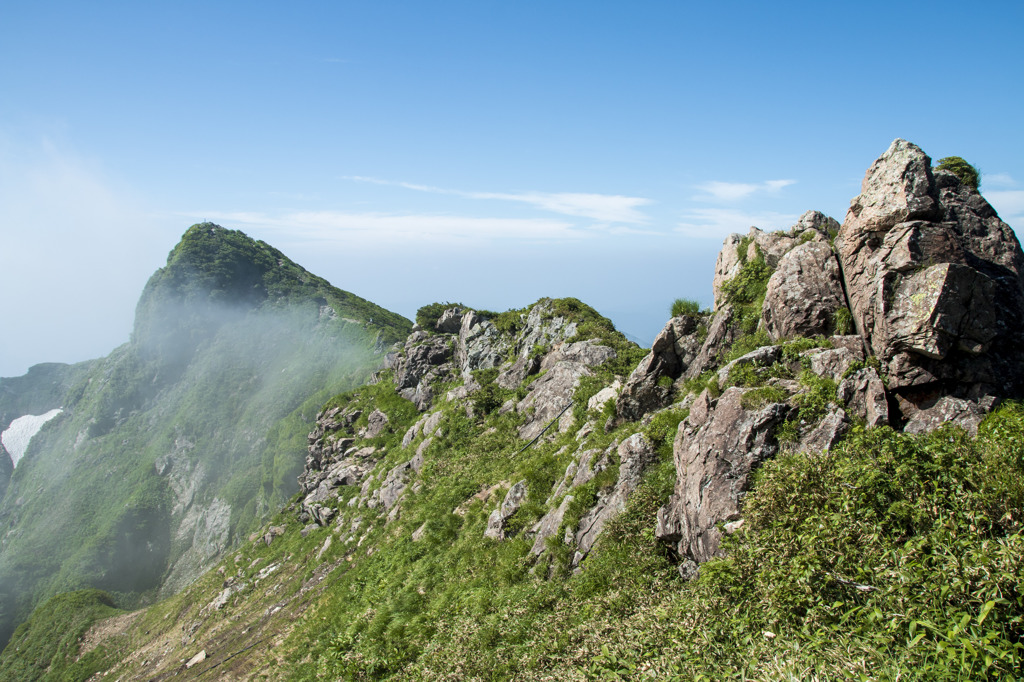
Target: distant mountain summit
point(179, 442)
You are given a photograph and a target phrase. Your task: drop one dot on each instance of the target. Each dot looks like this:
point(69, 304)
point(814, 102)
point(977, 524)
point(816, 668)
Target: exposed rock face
point(481, 345)
point(635, 453)
point(649, 385)
point(933, 277)
point(722, 331)
point(549, 396)
point(498, 519)
point(933, 280)
point(804, 293)
point(450, 321)
point(727, 266)
point(715, 452)
point(864, 395)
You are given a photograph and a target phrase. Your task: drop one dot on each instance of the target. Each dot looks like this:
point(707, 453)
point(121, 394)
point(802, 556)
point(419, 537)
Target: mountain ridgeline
point(178, 443)
point(820, 478)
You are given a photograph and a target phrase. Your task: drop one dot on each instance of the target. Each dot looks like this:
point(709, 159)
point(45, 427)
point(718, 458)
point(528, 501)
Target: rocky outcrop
point(933, 278)
point(863, 393)
point(715, 452)
point(498, 520)
point(649, 386)
point(932, 281)
point(635, 454)
point(804, 293)
point(481, 345)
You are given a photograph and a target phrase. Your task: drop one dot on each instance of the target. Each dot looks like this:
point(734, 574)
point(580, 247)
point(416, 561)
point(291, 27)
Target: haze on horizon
point(464, 151)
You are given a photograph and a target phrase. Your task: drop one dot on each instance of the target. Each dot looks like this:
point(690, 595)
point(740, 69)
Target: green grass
point(47, 645)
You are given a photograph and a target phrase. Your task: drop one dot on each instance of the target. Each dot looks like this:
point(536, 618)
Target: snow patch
point(18, 435)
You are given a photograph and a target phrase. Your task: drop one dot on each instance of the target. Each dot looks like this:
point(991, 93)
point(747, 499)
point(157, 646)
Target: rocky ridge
point(905, 315)
point(810, 338)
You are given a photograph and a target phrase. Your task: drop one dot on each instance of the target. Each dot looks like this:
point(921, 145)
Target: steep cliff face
point(171, 448)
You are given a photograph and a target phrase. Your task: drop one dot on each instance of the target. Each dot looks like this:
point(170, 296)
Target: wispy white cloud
point(69, 232)
point(609, 208)
point(717, 223)
point(734, 191)
point(998, 180)
point(1009, 204)
point(390, 229)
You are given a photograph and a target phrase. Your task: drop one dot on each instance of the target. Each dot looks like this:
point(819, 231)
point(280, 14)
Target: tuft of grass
point(684, 306)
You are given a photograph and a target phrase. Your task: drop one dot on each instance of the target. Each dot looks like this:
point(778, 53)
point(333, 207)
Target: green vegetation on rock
point(967, 173)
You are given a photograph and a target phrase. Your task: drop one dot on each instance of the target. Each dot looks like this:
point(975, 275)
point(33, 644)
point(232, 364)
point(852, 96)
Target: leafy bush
point(967, 173)
point(684, 306)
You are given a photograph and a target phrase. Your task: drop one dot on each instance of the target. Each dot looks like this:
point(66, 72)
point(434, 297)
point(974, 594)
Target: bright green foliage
point(48, 643)
point(812, 405)
point(757, 398)
point(748, 286)
point(893, 557)
point(967, 173)
point(684, 306)
point(428, 315)
point(842, 321)
point(745, 292)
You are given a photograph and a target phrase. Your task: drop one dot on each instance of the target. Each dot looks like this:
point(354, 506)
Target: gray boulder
point(497, 521)
point(933, 278)
point(863, 393)
point(804, 293)
point(714, 460)
point(648, 387)
point(636, 453)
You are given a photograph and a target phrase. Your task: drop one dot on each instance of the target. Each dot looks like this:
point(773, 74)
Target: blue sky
point(484, 152)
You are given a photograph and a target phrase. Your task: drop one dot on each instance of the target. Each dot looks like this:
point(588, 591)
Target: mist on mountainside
point(171, 448)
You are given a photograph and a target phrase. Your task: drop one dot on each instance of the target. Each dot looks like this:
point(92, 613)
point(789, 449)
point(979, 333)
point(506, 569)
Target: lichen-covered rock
point(589, 353)
point(635, 453)
point(863, 393)
point(648, 387)
point(833, 362)
point(481, 344)
point(727, 266)
point(804, 293)
point(765, 356)
point(549, 396)
point(548, 526)
point(722, 331)
point(714, 461)
point(947, 410)
point(375, 425)
point(771, 246)
point(604, 395)
point(498, 519)
point(450, 321)
point(826, 434)
point(420, 359)
point(933, 278)
point(517, 372)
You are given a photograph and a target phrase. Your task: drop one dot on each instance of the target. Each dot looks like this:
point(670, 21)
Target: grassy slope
point(893, 557)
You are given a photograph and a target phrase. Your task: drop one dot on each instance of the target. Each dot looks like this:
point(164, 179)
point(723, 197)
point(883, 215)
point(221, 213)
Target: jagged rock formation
point(934, 279)
point(930, 278)
point(496, 452)
point(466, 342)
